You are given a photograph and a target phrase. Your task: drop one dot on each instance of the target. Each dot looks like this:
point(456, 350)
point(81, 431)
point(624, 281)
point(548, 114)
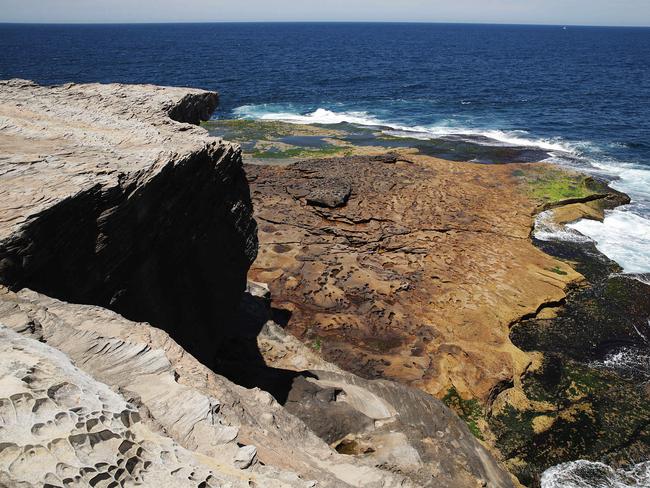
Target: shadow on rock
point(238, 357)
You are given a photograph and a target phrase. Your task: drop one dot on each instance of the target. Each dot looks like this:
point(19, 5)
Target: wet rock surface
point(589, 396)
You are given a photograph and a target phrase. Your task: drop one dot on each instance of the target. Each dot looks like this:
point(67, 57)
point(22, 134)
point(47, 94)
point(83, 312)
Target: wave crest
point(624, 236)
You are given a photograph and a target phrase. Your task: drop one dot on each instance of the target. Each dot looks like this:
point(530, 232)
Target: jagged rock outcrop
point(387, 424)
point(391, 425)
point(109, 197)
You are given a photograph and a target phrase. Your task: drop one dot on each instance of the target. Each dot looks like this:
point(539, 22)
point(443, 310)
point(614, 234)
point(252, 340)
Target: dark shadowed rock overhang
point(110, 197)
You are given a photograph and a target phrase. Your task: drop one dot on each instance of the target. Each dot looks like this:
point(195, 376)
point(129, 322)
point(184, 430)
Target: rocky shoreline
point(116, 211)
point(423, 273)
point(412, 332)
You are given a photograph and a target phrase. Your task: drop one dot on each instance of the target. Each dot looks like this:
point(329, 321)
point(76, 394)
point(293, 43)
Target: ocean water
point(579, 94)
point(586, 474)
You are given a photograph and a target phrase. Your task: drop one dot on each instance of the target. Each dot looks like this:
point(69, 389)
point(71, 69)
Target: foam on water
point(547, 230)
point(319, 116)
point(587, 474)
point(444, 128)
point(623, 236)
point(630, 361)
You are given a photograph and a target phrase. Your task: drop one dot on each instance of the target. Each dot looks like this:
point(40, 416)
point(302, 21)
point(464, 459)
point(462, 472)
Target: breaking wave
point(586, 474)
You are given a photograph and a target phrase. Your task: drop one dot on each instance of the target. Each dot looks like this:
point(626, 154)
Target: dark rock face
point(168, 240)
point(194, 108)
point(167, 252)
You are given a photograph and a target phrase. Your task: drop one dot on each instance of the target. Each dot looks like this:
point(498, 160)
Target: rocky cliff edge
point(109, 197)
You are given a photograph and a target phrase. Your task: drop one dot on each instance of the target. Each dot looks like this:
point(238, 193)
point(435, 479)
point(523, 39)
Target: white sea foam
point(623, 236)
point(319, 116)
point(629, 360)
point(586, 474)
point(547, 230)
point(487, 137)
point(443, 129)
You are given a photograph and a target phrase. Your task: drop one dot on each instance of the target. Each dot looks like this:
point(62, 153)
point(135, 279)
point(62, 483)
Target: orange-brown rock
point(411, 271)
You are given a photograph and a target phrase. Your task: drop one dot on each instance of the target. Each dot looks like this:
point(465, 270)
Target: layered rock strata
point(109, 197)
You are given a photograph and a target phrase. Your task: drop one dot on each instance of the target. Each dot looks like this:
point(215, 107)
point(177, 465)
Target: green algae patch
point(554, 185)
point(468, 410)
point(278, 142)
point(317, 344)
point(300, 152)
point(243, 130)
point(557, 270)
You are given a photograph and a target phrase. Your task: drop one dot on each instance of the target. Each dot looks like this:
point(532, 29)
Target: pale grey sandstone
point(109, 197)
point(173, 395)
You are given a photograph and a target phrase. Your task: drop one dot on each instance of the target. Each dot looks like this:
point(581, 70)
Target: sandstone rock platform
point(416, 278)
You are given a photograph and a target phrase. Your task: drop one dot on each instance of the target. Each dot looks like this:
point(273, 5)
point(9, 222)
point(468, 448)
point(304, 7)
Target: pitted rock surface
point(417, 278)
point(225, 427)
point(61, 427)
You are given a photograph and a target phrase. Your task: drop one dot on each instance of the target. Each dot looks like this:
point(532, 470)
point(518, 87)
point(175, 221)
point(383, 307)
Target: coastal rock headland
point(119, 213)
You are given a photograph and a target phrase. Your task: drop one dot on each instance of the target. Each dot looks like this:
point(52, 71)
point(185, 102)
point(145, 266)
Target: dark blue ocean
point(580, 93)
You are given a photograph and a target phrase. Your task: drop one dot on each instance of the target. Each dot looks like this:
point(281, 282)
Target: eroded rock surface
point(173, 395)
point(419, 275)
point(61, 427)
point(381, 422)
point(109, 197)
